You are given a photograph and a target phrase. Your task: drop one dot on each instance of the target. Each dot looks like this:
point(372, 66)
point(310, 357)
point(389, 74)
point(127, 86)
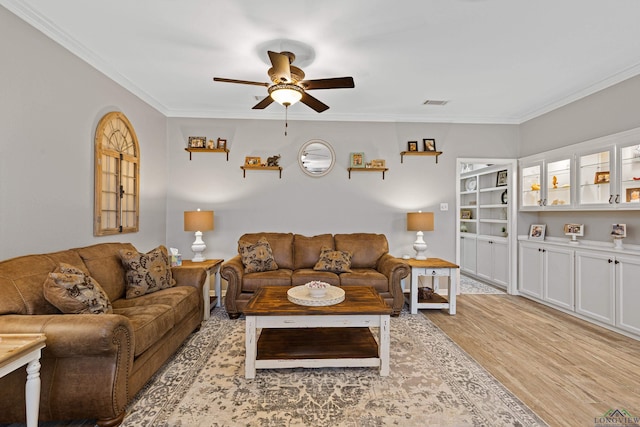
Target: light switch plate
point(444, 206)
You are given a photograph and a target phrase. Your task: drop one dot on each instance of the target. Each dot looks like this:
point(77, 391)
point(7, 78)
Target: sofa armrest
point(232, 271)
point(395, 270)
point(189, 276)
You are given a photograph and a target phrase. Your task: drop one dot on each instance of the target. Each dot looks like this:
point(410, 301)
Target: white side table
point(212, 267)
point(432, 267)
point(17, 350)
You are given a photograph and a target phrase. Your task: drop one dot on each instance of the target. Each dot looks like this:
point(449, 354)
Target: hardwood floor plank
point(567, 370)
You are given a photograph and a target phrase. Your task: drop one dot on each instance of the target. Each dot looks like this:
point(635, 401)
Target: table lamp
point(198, 221)
point(420, 221)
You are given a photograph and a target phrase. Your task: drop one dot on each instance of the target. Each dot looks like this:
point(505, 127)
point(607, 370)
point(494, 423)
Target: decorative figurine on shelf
point(535, 187)
point(273, 160)
point(619, 232)
point(555, 181)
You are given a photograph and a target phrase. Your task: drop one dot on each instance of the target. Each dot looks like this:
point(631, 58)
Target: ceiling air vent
point(434, 102)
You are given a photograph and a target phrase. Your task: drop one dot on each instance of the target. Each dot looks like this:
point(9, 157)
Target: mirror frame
point(328, 146)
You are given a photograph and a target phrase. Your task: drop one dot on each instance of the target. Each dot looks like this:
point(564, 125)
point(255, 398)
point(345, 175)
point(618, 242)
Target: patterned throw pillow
point(146, 273)
point(334, 261)
point(72, 291)
point(257, 256)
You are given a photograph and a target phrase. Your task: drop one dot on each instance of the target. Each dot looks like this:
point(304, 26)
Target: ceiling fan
point(289, 86)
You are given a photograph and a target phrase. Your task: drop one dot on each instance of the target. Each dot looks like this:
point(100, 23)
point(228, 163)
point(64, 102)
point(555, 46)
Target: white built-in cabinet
point(486, 219)
point(597, 283)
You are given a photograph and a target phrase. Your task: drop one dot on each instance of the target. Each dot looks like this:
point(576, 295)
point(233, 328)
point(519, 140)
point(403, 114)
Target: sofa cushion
point(306, 275)
point(73, 291)
point(257, 257)
point(365, 277)
point(366, 248)
point(146, 273)
point(252, 281)
point(334, 261)
point(149, 322)
point(281, 246)
point(104, 265)
point(306, 250)
point(182, 299)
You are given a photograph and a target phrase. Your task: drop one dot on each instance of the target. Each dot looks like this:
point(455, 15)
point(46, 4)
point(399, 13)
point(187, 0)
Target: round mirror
point(316, 158)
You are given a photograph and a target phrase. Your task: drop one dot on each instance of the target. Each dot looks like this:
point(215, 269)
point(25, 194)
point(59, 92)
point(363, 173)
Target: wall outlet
point(444, 206)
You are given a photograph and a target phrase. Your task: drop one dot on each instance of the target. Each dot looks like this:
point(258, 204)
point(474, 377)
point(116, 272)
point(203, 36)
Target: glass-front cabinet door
point(558, 184)
point(628, 191)
point(531, 186)
point(596, 178)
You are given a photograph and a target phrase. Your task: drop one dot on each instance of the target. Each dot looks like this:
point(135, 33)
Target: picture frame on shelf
point(633, 195)
point(429, 144)
point(221, 144)
point(197, 141)
point(573, 230)
point(537, 231)
point(378, 163)
point(619, 231)
point(601, 178)
point(412, 146)
point(356, 160)
point(211, 144)
point(502, 178)
point(252, 161)
point(465, 214)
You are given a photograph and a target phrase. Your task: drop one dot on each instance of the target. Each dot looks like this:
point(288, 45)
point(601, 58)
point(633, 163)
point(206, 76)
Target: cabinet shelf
point(260, 168)
point(419, 153)
point(383, 170)
point(207, 150)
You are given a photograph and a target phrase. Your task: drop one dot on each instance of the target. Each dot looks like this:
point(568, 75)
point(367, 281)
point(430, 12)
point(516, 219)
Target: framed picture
point(501, 179)
point(465, 214)
point(211, 144)
point(252, 161)
point(378, 163)
point(197, 141)
point(601, 178)
point(356, 160)
point(574, 229)
point(633, 195)
point(429, 144)
point(412, 146)
point(619, 230)
point(537, 231)
point(222, 144)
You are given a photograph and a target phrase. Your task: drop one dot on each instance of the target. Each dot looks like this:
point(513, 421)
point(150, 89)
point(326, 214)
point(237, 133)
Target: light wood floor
point(565, 369)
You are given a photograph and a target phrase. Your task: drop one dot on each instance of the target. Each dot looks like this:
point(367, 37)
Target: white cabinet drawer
point(434, 272)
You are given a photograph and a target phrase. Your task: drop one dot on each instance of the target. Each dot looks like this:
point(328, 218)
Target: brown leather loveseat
point(93, 364)
point(297, 255)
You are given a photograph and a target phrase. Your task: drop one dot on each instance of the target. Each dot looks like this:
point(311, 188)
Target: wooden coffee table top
point(273, 301)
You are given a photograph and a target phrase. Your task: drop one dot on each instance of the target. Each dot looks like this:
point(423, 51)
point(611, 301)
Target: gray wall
point(609, 111)
point(50, 104)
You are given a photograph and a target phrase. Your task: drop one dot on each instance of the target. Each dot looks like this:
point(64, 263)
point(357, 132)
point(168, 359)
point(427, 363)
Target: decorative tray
point(300, 295)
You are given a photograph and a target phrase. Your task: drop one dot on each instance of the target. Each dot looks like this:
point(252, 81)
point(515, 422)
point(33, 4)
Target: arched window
point(117, 176)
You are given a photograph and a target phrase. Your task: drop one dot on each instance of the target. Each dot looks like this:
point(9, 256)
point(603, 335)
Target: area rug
point(432, 382)
point(469, 285)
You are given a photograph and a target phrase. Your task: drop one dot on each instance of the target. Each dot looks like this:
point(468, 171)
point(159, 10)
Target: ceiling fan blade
point(263, 104)
point(243, 82)
point(333, 83)
point(313, 103)
point(280, 72)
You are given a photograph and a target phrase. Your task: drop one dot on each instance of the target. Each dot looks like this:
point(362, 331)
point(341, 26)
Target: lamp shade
point(198, 220)
point(285, 93)
point(420, 221)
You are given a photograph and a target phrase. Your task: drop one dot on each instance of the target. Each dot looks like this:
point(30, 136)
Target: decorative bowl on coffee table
point(317, 289)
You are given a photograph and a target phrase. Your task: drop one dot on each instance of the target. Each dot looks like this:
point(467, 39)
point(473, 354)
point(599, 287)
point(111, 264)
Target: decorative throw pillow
point(334, 261)
point(257, 256)
point(72, 291)
point(146, 273)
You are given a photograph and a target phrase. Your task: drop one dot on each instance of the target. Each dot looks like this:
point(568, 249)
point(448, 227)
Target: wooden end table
point(17, 350)
point(295, 335)
point(211, 266)
point(432, 267)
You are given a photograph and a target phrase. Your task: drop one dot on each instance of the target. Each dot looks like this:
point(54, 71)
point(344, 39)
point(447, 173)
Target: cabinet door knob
point(544, 202)
point(609, 261)
point(611, 199)
point(617, 262)
point(617, 198)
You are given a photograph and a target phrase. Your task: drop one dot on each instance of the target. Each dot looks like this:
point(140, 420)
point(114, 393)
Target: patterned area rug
point(473, 286)
point(432, 382)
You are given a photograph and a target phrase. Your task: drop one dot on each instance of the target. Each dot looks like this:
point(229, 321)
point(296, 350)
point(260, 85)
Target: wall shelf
point(260, 168)
point(419, 153)
point(207, 150)
point(383, 170)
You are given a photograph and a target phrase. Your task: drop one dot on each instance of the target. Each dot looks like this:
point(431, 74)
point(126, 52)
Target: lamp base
point(420, 246)
point(198, 247)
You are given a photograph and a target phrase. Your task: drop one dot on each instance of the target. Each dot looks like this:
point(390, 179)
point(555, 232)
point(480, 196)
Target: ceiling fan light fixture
point(285, 93)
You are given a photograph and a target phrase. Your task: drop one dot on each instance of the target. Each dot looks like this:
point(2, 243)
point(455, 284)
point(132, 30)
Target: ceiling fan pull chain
point(286, 117)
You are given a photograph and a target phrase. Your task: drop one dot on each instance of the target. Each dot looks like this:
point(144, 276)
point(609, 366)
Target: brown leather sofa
point(296, 255)
point(93, 364)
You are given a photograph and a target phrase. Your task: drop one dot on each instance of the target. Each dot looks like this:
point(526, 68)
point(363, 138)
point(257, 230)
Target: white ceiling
point(494, 61)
